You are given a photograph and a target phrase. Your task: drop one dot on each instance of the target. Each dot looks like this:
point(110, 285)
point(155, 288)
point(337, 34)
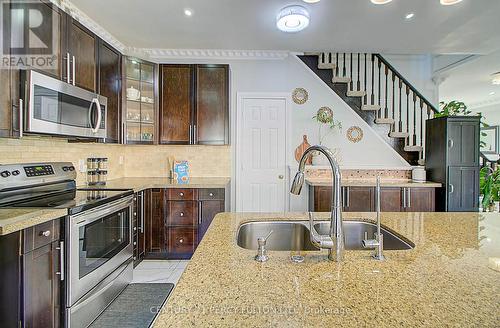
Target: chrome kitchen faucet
point(334, 242)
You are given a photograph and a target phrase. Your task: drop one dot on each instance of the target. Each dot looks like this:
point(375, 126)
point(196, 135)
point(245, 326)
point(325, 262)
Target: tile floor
point(157, 271)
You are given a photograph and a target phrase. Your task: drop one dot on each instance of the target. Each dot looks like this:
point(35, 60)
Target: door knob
point(281, 176)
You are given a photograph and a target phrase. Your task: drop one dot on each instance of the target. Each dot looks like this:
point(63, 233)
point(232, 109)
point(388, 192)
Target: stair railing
point(401, 104)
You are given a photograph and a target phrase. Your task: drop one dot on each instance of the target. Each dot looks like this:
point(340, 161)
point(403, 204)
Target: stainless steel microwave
point(57, 108)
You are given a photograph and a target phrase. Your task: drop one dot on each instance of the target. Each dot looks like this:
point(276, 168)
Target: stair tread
point(313, 53)
point(384, 121)
point(341, 79)
point(413, 148)
point(396, 134)
point(370, 107)
point(326, 66)
point(356, 93)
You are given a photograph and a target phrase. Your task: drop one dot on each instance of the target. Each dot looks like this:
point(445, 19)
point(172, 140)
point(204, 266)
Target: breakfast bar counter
point(449, 279)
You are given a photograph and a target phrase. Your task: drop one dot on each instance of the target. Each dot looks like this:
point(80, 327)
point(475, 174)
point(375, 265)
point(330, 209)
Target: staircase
point(378, 93)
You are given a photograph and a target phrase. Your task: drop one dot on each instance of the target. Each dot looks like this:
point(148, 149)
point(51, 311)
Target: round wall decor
point(354, 134)
point(300, 96)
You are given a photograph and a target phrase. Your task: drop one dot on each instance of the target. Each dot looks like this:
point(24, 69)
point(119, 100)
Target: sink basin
point(294, 236)
point(355, 233)
point(287, 236)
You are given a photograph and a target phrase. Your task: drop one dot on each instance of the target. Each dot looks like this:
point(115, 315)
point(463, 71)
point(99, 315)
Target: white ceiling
point(471, 82)
point(347, 25)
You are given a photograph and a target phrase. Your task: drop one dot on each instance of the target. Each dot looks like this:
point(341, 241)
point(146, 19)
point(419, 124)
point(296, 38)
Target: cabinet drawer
point(182, 194)
point(182, 213)
point(182, 240)
point(209, 194)
point(41, 235)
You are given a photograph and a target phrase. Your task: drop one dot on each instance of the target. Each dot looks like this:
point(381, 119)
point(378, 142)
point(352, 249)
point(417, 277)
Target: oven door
point(99, 243)
point(56, 107)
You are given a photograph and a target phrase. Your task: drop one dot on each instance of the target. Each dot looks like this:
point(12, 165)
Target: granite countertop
point(139, 183)
point(445, 281)
point(16, 219)
point(322, 182)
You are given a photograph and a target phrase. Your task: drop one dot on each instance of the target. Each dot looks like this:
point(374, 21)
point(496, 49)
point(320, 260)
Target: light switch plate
point(82, 167)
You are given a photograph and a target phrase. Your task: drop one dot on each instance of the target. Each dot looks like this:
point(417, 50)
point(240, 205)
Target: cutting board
point(299, 151)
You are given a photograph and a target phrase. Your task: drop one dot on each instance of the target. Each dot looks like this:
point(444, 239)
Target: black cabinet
point(452, 158)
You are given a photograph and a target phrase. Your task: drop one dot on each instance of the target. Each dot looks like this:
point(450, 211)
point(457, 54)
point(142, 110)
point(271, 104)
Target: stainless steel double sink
point(294, 235)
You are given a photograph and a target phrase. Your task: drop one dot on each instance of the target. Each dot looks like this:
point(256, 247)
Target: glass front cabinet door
point(141, 102)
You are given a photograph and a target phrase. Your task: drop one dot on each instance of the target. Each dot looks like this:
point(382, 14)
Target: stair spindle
point(343, 67)
point(336, 64)
point(408, 110)
point(366, 93)
point(358, 84)
point(400, 127)
point(379, 89)
point(372, 102)
point(394, 101)
point(421, 121)
point(350, 67)
point(386, 110)
point(414, 119)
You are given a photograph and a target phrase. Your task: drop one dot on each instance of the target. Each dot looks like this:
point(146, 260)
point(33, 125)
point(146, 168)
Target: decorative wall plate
point(300, 96)
point(324, 115)
point(354, 134)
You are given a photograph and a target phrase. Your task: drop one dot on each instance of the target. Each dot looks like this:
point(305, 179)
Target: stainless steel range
point(98, 236)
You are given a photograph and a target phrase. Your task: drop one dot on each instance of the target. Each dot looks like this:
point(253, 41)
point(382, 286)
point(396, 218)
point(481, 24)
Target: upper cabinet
point(194, 104)
point(109, 86)
point(212, 108)
point(140, 102)
point(80, 55)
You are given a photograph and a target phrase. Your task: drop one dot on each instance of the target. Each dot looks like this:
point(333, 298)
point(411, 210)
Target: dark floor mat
point(132, 308)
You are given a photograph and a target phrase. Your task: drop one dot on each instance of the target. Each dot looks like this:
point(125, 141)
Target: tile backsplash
point(137, 160)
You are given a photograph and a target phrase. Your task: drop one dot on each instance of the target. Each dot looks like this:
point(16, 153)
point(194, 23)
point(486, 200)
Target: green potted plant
point(489, 184)
point(326, 125)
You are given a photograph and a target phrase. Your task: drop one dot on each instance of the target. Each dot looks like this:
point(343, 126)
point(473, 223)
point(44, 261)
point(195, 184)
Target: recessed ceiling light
point(380, 2)
point(495, 78)
point(292, 19)
point(188, 12)
point(409, 16)
point(449, 2)
point(492, 93)
point(311, 1)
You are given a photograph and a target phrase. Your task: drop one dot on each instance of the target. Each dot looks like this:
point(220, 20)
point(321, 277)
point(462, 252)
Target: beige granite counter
point(16, 219)
point(444, 281)
point(321, 182)
point(139, 184)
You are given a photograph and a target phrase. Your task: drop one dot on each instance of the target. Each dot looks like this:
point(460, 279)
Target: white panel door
point(262, 154)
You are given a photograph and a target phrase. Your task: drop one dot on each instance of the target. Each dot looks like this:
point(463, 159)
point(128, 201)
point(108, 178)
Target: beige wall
point(138, 160)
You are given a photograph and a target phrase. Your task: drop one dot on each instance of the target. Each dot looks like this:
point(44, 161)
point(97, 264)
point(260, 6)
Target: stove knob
point(71, 168)
point(15, 173)
point(5, 174)
point(65, 168)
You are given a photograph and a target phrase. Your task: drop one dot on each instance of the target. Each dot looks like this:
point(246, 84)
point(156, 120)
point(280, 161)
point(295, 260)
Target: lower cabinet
point(363, 199)
point(177, 219)
point(138, 226)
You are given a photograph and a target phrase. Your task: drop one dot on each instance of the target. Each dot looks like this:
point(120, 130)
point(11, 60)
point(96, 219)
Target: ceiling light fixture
point(409, 16)
point(311, 1)
point(380, 2)
point(188, 12)
point(495, 78)
point(449, 2)
point(292, 19)
point(492, 93)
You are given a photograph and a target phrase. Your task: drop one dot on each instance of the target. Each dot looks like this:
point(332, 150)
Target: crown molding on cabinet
point(161, 55)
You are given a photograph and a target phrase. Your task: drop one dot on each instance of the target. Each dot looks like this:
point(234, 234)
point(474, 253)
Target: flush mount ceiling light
point(188, 12)
point(380, 2)
point(492, 93)
point(495, 78)
point(311, 1)
point(292, 19)
point(409, 16)
point(449, 2)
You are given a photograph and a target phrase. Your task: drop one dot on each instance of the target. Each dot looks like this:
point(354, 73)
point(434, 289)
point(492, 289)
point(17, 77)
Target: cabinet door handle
point(21, 117)
point(452, 188)
point(199, 212)
point(141, 195)
point(195, 137)
point(74, 70)
point(404, 197)
point(68, 68)
point(409, 196)
point(190, 134)
point(451, 143)
point(181, 214)
point(181, 194)
point(61, 260)
point(45, 233)
point(348, 197)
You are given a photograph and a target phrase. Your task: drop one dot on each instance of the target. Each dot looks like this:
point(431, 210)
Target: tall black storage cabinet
point(452, 158)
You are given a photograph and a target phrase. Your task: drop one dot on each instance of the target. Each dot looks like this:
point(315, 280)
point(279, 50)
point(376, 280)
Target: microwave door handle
point(99, 115)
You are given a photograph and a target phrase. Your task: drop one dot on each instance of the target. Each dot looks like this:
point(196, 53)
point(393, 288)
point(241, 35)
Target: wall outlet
point(82, 166)
point(120, 160)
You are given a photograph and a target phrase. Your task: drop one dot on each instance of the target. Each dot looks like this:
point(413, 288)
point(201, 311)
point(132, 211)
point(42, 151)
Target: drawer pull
point(181, 214)
point(45, 233)
point(181, 194)
point(135, 213)
point(135, 243)
point(181, 240)
point(135, 228)
point(211, 194)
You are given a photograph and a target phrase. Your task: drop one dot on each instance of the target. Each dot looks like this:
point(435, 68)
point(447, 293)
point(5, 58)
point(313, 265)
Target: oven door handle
point(98, 213)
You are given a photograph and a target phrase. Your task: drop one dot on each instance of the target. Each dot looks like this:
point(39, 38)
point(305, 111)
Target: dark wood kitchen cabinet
point(139, 226)
point(194, 104)
point(42, 275)
point(363, 199)
point(81, 45)
point(179, 218)
point(109, 86)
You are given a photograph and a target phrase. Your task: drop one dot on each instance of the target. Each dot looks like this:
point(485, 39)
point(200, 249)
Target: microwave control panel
point(38, 170)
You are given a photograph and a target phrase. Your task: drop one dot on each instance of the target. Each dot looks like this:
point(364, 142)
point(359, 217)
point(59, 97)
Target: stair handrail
point(406, 82)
